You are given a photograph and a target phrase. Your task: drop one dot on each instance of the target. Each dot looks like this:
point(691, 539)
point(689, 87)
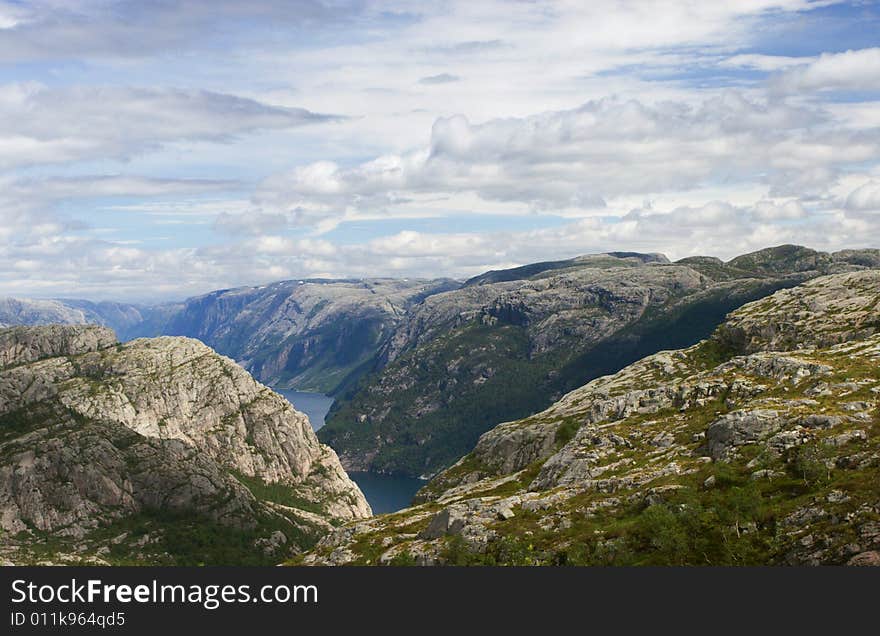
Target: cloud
point(94, 186)
point(50, 30)
point(852, 70)
point(565, 116)
point(469, 47)
point(773, 211)
point(250, 223)
point(765, 63)
point(29, 206)
point(442, 78)
point(47, 264)
point(39, 124)
point(865, 197)
point(575, 161)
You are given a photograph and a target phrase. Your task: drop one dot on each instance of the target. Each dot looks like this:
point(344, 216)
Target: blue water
point(315, 405)
point(384, 493)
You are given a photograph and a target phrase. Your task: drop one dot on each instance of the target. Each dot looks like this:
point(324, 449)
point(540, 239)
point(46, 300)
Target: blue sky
point(155, 150)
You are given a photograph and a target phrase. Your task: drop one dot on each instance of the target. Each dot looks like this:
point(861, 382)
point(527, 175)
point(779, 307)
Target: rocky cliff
point(510, 342)
point(160, 441)
point(759, 445)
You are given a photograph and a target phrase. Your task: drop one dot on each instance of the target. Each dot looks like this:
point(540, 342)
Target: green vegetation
point(277, 493)
point(735, 522)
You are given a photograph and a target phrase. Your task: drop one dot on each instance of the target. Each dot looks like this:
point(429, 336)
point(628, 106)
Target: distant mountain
point(121, 317)
point(311, 335)
point(421, 368)
point(524, 272)
point(314, 335)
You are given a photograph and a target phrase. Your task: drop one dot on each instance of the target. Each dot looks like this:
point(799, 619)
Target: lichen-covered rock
point(739, 428)
point(179, 388)
point(68, 476)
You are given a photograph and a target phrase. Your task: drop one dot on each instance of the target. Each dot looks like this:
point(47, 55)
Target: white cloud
point(39, 124)
point(442, 78)
point(764, 62)
point(577, 161)
point(48, 263)
point(852, 70)
point(561, 109)
point(47, 29)
point(772, 211)
point(865, 197)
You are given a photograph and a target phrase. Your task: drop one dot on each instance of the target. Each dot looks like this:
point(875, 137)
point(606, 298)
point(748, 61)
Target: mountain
point(311, 335)
point(122, 318)
point(759, 445)
point(154, 451)
point(508, 343)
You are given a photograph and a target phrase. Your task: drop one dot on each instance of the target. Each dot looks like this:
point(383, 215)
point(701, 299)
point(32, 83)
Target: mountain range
point(608, 409)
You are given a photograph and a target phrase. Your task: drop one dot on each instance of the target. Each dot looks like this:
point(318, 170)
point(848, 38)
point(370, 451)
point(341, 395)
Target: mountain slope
point(163, 434)
point(760, 445)
point(508, 343)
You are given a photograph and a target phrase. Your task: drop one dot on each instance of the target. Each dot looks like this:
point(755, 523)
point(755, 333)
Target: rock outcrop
point(818, 313)
point(94, 432)
point(22, 345)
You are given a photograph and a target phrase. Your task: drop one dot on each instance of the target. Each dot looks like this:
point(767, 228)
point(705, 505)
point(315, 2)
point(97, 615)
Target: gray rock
point(105, 431)
point(505, 513)
point(845, 438)
point(444, 522)
point(21, 345)
point(821, 421)
point(740, 427)
point(818, 313)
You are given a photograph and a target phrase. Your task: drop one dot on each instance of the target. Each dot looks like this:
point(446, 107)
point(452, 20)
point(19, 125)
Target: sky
point(154, 150)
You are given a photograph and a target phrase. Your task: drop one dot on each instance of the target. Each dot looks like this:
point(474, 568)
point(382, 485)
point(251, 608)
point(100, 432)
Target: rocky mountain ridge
point(310, 335)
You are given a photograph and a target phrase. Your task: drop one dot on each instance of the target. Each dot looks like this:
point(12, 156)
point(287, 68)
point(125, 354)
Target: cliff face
point(311, 335)
point(508, 343)
point(95, 433)
point(759, 445)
